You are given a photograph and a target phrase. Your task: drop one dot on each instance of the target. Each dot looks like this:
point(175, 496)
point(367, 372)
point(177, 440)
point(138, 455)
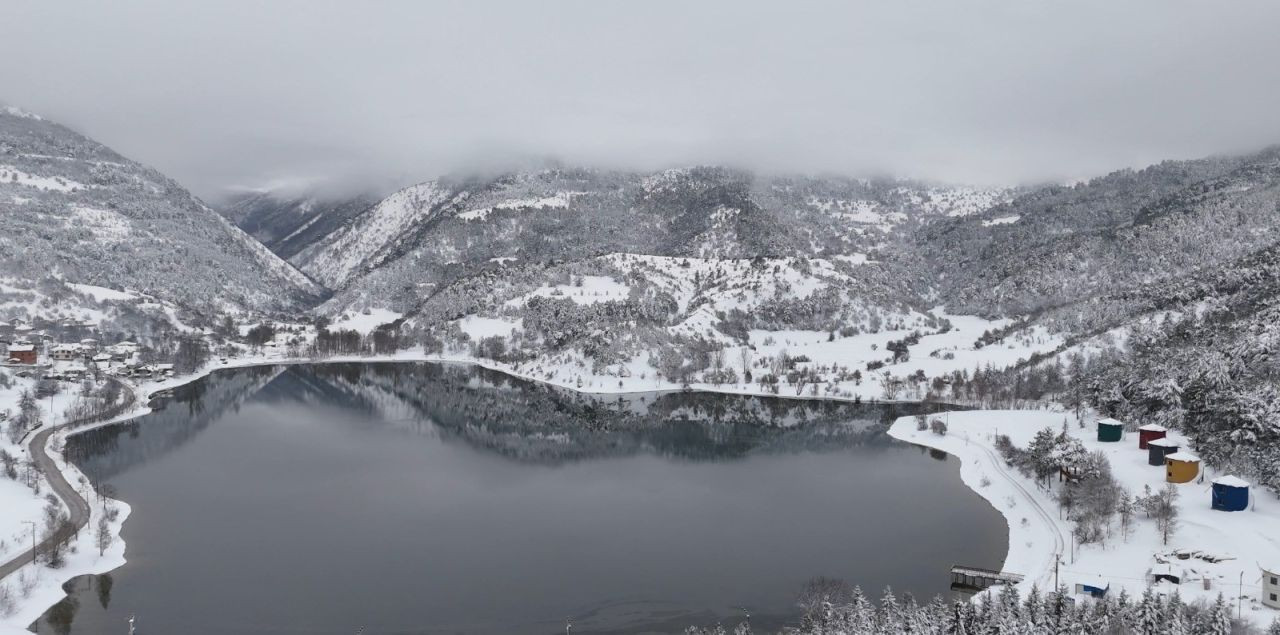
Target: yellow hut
point(1181, 467)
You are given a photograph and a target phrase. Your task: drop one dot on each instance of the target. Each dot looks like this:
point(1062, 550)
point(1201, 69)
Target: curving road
point(78, 506)
point(1060, 542)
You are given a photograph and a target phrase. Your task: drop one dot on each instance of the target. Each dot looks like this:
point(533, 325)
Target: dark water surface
point(419, 498)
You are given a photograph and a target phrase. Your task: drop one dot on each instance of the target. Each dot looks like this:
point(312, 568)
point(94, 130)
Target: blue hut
point(1230, 494)
point(1092, 589)
point(1157, 449)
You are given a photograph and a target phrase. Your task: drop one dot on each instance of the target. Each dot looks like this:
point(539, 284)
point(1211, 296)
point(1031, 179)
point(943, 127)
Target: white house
point(65, 352)
point(1271, 586)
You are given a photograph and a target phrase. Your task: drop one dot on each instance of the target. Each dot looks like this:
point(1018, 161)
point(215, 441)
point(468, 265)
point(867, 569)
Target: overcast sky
point(226, 93)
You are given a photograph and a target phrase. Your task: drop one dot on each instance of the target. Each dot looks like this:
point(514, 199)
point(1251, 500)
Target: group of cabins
point(1227, 493)
point(1230, 494)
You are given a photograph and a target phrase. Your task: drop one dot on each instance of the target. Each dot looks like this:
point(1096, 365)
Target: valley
point(1145, 295)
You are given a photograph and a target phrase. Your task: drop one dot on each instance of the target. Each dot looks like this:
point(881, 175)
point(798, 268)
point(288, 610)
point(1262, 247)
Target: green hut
point(1110, 430)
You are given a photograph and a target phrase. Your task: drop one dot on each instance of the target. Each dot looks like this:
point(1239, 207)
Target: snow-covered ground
point(1038, 534)
point(559, 200)
point(34, 589)
point(49, 183)
point(363, 322)
point(1003, 220)
point(936, 354)
point(592, 289)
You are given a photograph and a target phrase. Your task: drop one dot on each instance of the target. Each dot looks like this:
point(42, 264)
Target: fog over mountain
point(233, 94)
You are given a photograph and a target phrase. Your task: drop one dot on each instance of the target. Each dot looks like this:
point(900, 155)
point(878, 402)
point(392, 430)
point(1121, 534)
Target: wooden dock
point(976, 579)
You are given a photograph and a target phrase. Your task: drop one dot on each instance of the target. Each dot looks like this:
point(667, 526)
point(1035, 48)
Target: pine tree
point(1033, 608)
point(890, 615)
point(958, 619)
point(1122, 612)
point(1146, 618)
point(861, 614)
point(1219, 618)
point(912, 620)
point(1176, 611)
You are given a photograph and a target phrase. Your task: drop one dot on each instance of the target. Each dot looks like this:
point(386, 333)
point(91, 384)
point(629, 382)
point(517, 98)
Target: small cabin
point(1157, 449)
point(1230, 494)
point(1149, 433)
point(1166, 573)
point(22, 353)
point(1271, 587)
point(1110, 430)
point(1092, 589)
point(1181, 467)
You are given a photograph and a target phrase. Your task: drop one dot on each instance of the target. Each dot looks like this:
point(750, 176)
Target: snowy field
point(1239, 541)
point(935, 355)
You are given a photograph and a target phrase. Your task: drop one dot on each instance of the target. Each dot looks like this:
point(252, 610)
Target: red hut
point(1149, 433)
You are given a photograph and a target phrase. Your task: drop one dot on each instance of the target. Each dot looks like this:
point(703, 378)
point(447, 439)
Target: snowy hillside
point(428, 236)
point(285, 222)
point(72, 208)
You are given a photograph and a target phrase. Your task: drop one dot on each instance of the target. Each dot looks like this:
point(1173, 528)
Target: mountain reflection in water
point(446, 498)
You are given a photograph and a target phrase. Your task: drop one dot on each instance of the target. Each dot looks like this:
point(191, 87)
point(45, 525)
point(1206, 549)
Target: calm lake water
point(420, 498)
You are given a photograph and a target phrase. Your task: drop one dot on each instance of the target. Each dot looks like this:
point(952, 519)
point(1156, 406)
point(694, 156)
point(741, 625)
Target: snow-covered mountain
point(287, 222)
point(426, 236)
point(1117, 234)
point(74, 210)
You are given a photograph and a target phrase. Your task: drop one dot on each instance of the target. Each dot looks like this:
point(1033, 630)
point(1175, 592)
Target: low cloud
point(378, 94)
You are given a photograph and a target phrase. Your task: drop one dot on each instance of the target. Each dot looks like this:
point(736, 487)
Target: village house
point(122, 351)
point(65, 352)
point(22, 353)
point(1271, 587)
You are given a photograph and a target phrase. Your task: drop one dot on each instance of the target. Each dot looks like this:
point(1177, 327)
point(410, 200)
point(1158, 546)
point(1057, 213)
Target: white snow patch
point(559, 200)
point(365, 323)
point(11, 174)
point(1003, 220)
point(593, 289)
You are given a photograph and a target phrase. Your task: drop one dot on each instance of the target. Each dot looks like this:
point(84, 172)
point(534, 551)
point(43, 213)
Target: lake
point(427, 498)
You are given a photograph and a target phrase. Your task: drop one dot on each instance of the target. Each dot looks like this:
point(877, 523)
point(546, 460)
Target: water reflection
point(443, 498)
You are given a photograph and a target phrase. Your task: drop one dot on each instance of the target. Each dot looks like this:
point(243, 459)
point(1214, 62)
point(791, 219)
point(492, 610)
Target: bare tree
point(103, 539)
point(1165, 510)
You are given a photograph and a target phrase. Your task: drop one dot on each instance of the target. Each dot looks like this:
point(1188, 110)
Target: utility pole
point(1239, 598)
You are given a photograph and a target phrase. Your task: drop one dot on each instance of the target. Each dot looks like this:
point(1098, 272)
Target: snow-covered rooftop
point(1185, 457)
point(1154, 427)
point(1109, 422)
point(1164, 443)
point(1230, 481)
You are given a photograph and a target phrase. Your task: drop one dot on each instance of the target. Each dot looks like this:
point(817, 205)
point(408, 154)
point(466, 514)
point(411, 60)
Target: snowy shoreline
point(50, 592)
point(1036, 536)
point(1236, 542)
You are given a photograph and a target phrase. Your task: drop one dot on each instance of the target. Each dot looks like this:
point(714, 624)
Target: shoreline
point(1036, 538)
point(1212, 552)
point(146, 391)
